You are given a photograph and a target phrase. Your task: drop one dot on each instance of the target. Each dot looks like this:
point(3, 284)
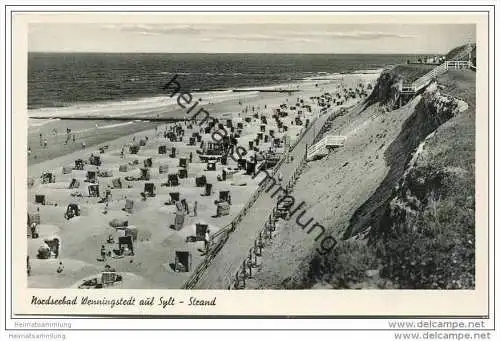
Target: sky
point(249, 38)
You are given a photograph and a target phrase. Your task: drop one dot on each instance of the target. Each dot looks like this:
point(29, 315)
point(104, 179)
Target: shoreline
point(92, 138)
point(273, 85)
point(164, 113)
point(287, 86)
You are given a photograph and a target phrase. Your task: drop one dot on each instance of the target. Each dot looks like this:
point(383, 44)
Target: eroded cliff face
point(425, 236)
point(419, 186)
point(416, 231)
point(385, 92)
point(432, 110)
point(397, 196)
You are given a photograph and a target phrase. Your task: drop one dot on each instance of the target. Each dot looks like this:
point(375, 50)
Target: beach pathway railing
point(455, 63)
point(219, 238)
point(321, 148)
point(266, 232)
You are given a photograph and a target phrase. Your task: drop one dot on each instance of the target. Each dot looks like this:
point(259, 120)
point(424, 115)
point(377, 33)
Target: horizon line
point(260, 53)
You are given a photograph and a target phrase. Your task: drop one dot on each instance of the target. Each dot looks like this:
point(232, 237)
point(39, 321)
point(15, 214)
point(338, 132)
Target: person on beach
point(207, 240)
point(84, 145)
point(103, 252)
point(68, 135)
point(33, 230)
point(28, 265)
point(74, 138)
point(191, 157)
point(41, 139)
point(195, 209)
point(60, 268)
point(45, 143)
point(108, 268)
point(29, 151)
point(185, 204)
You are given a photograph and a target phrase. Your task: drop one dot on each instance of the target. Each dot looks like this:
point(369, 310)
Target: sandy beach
point(151, 265)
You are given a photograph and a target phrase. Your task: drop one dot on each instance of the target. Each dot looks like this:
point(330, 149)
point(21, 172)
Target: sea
point(77, 83)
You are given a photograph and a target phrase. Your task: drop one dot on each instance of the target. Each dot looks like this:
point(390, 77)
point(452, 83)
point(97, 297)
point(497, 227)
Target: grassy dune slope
point(401, 226)
point(425, 237)
point(444, 234)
